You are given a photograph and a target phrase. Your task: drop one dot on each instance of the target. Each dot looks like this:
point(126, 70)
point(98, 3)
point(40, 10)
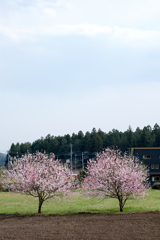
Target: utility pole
point(75, 162)
point(82, 161)
point(71, 156)
point(8, 160)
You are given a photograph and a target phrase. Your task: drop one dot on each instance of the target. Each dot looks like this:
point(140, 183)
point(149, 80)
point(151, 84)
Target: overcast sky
point(70, 65)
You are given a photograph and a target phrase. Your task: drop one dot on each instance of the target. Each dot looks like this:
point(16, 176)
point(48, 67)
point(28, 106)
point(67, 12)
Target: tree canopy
point(93, 141)
point(114, 175)
point(39, 176)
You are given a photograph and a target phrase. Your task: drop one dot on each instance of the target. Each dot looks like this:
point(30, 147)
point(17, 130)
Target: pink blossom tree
point(116, 176)
point(39, 176)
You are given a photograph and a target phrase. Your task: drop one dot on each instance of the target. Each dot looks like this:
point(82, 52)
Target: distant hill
point(2, 159)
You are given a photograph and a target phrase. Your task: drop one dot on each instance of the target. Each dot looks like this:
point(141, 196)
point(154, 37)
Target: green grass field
point(11, 203)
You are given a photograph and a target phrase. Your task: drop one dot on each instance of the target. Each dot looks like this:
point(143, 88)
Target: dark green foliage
point(6, 161)
point(157, 138)
point(156, 185)
point(129, 134)
point(94, 141)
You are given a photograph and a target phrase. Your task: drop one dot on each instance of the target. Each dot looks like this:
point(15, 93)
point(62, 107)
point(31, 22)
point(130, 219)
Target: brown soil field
point(81, 226)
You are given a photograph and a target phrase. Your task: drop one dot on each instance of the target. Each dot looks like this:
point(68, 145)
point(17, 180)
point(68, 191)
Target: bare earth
point(81, 226)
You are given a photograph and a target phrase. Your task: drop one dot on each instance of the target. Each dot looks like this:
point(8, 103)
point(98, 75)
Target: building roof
point(145, 148)
point(154, 173)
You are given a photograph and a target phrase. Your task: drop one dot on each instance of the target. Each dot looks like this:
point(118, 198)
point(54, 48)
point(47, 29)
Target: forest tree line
point(94, 141)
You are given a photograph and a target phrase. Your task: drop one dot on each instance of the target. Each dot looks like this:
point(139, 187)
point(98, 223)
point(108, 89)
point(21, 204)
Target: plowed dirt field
point(81, 226)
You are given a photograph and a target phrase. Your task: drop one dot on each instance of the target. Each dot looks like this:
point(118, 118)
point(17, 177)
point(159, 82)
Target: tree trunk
point(40, 204)
point(120, 204)
point(121, 209)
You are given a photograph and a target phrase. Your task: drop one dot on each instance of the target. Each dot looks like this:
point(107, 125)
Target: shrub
point(82, 175)
point(156, 185)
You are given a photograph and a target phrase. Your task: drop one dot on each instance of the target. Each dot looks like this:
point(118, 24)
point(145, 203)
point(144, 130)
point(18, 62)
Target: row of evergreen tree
point(93, 141)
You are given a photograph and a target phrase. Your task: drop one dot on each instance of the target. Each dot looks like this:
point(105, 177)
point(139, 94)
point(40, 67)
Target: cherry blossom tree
point(116, 176)
point(39, 176)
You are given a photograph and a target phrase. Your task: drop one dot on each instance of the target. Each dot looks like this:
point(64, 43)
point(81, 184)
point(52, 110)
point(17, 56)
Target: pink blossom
point(117, 176)
point(39, 176)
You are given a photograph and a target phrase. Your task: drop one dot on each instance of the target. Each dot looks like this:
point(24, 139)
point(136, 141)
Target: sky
point(67, 66)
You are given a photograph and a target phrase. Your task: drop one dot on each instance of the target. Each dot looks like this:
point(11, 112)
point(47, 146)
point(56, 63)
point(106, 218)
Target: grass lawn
point(11, 203)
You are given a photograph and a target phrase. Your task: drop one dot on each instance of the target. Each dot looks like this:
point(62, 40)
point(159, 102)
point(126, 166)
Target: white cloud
point(69, 5)
point(23, 20)
point(121, 35)
point(37, 3)
point(49, 12)
point(135, 37)
point(55, 3)
point(142, 14)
